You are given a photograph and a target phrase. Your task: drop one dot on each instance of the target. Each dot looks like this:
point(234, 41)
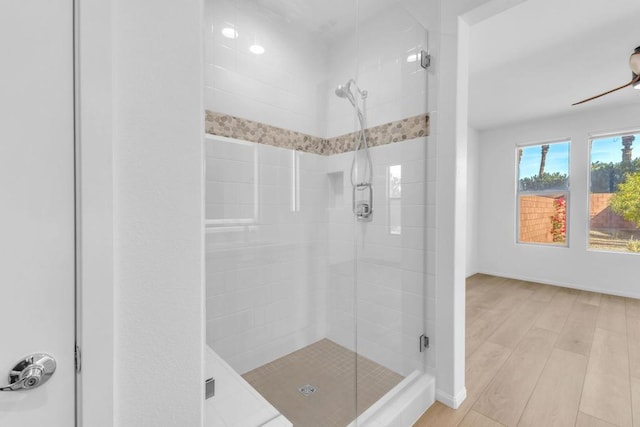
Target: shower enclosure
point(319, 210)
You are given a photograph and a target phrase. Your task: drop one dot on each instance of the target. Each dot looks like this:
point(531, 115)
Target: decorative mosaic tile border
point(248, 130)
point(388, 133)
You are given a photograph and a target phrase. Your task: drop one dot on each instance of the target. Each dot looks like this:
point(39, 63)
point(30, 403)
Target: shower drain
point(307, 390)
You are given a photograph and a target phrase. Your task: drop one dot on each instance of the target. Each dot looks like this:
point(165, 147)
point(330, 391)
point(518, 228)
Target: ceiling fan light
point(634, 62)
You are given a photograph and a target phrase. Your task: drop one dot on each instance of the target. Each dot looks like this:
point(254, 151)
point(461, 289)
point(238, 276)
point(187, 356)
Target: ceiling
point(534, 60)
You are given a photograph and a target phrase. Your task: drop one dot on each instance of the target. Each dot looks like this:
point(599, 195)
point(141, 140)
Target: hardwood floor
point(539, 355)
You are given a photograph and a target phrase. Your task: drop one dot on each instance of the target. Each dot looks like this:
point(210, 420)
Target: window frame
point(590, 138)
point(566, 193)
point(397, 199)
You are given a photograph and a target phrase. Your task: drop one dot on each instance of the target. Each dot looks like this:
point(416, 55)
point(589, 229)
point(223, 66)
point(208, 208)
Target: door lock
point(31, 372)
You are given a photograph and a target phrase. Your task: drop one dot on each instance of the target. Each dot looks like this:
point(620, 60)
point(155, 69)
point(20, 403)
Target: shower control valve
point(363, 208)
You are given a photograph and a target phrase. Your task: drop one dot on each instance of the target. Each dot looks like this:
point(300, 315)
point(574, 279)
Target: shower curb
point(403, 405)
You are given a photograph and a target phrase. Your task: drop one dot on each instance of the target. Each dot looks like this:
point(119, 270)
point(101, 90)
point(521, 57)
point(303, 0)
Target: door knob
point(30, 372)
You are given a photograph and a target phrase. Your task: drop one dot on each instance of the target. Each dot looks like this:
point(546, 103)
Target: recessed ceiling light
point(230, 33)
point(257, 49)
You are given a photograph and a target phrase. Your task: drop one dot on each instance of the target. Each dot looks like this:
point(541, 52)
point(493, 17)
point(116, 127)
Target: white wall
point(279, 87)
point(574, 266)
point(266, 277)
point(448, 23)
point(157, 133)
point(96, 219)
point(473, 188)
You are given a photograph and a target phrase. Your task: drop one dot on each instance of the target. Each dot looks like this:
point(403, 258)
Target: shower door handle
point(30, 372)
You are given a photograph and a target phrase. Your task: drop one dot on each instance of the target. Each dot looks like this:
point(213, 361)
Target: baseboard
point(560, 283)
point(452, 401)
point(473, 273)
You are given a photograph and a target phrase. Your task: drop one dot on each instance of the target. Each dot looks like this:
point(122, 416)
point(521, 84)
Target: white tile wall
point(287, 279)
point(266, 280)
point(281, 87)
point(292, 84)
point(396, 88)
point(395, 276)
point(231, 181)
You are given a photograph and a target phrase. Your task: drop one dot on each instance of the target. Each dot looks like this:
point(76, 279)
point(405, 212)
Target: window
point(614, 196)
point(395, 199)
point(543, 193)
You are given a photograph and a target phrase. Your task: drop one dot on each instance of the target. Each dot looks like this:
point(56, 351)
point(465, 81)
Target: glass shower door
point(394, 265)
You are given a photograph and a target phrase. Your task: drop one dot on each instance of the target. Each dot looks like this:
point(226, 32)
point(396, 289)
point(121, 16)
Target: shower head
point(344, 91)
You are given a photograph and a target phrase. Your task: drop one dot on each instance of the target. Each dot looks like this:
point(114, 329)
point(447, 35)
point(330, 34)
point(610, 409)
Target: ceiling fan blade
point(635, 79)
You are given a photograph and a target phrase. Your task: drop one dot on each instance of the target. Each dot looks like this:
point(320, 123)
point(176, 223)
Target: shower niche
point(316, 237)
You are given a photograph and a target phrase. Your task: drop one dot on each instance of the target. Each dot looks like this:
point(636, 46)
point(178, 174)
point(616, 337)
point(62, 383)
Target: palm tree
point(627, 150)
point(543, 159)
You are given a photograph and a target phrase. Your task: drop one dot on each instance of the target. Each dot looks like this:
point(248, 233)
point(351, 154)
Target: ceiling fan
point(634, 64)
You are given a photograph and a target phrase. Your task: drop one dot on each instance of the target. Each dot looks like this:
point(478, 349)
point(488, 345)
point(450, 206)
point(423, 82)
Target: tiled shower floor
point(331, 369)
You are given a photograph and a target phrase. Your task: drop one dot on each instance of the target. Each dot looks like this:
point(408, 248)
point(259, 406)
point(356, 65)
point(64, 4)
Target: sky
point(604, 150)
point(608, 150)
point(557, 159)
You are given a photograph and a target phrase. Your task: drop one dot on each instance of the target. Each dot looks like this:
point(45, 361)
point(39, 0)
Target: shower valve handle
point(362, 208)
point(30, 372)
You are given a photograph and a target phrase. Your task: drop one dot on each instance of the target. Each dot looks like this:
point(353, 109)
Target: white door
point(37, 206)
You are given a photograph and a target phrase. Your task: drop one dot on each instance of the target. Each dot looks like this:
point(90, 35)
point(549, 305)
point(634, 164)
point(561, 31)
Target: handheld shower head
point(344, 91)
